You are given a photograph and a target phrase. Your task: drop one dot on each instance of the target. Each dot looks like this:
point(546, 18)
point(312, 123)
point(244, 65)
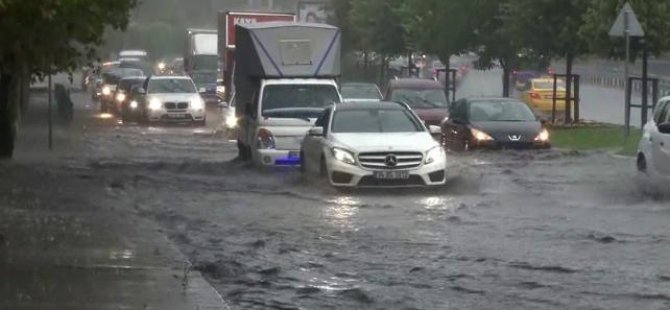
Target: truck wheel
point(303, 169)
point(243, 152)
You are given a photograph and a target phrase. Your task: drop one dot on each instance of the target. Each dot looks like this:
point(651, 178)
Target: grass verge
point(596, 137)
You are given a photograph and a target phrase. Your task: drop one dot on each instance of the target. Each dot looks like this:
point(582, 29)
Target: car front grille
point(176, 106)
point(369, 181)
point(390, 160)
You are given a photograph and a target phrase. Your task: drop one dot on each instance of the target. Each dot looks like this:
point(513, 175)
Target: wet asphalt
point(546, 229)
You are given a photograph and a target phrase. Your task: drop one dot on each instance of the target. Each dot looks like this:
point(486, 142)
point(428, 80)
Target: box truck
point(285, 75)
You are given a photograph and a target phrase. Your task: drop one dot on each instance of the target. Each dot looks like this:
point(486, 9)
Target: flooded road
point(515, 230)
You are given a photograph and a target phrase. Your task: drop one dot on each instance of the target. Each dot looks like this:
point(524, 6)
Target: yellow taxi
point(538, 94)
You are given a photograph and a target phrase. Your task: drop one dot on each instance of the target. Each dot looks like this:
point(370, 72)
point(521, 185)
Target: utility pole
point(49, 114)
point(626, 27)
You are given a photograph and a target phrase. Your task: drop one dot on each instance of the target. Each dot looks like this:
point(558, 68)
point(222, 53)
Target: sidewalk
point(70, 239)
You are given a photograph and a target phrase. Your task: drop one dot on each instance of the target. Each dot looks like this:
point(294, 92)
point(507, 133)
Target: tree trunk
point(569, 59)
point(6, 117)
point(505, 79)
point(382, 70)
point(366, 63)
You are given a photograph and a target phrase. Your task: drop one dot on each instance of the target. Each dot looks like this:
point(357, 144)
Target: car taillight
point(535, 96)
point(265, 139)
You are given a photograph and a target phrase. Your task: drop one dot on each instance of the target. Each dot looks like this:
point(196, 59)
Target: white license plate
point(177, 115)
point(391, 175)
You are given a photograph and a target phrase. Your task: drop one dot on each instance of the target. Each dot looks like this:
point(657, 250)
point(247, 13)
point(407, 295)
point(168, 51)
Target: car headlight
point(133, 105)
point(344, 156)
point(220, 89)
point(231, 121)
point(161, 66)
point(155, 104)
point(543, 136)
point(434, 155)
point(480, 135)
point(106, 90)
point(197, 103)
point(120, 97)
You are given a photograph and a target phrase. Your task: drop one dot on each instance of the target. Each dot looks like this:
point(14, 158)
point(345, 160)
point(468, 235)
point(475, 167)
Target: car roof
point(415, 84)
point(369, 105)
point(142, 78)
point(546, 80)
point(170, 77)
point(359, 84)
point(485, 99)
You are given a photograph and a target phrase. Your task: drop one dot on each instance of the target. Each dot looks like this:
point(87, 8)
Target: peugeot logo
point(514, 137)
point(391, 160)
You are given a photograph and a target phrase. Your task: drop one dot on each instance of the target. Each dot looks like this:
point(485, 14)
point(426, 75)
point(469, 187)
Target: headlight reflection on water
point(341, 211)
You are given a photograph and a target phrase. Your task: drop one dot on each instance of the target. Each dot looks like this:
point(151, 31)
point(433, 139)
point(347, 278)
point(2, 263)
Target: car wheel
point(641, 163)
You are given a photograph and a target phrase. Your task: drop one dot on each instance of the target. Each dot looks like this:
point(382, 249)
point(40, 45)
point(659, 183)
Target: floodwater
point(513, 230)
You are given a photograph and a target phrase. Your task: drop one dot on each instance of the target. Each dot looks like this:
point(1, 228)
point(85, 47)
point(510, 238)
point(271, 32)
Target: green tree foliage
point(654, 15)
point(46, 36)
point(439, 27)
point(549, 28)
point(496, 39)
point(377, 26)
point(54, 34)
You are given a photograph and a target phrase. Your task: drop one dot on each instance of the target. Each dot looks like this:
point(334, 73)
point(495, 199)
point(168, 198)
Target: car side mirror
point(543, 121)
point(316, 132)
point(436, 130)
point(664, 128)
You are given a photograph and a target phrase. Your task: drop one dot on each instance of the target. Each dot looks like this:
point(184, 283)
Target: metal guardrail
point(616, 80)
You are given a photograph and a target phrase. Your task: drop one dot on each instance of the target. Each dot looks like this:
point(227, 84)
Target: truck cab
point(273, 126)
point(285, 76)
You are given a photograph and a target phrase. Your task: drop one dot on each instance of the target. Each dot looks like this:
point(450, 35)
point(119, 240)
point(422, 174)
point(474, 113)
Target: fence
point(615, 79)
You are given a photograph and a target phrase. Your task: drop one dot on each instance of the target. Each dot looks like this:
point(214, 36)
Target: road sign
point(627, 20)
point(228, 20)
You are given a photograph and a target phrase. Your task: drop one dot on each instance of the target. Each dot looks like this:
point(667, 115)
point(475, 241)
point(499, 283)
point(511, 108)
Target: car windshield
point(360, 92)
point(110, 78)
point(297, 101)
point(204, 78)
point(500, 111)
point(205, 63)
point(421, 98)
point(128, 84)
point(171, 86)
point(375, 121)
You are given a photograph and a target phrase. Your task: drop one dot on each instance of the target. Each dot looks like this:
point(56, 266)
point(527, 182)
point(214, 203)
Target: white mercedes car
point(366, 144)
point(173, 99)
point(654, 151)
